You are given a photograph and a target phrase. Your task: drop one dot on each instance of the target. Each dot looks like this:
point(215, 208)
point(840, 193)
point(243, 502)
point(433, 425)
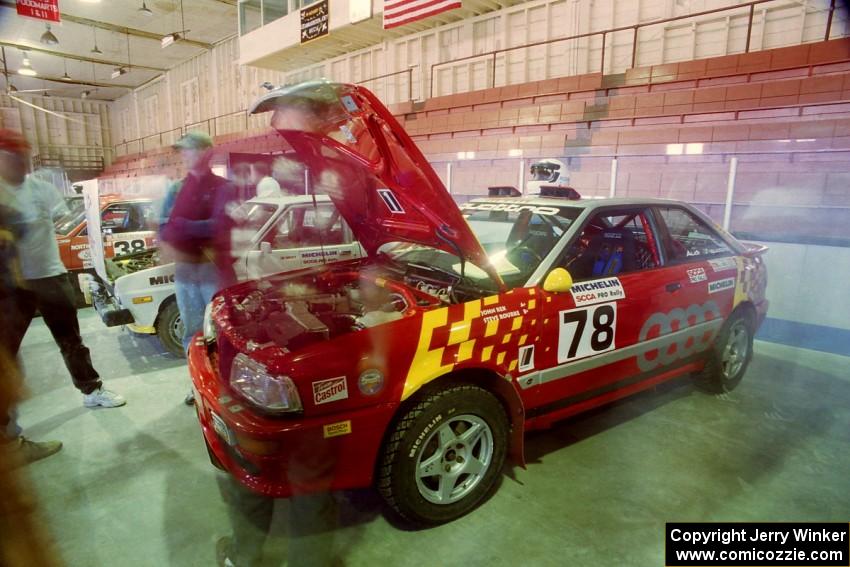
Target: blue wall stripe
point(805, 335)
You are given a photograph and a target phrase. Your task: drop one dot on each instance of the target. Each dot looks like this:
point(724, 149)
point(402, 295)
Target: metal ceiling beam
point(114, 28)
point(73, 82)
point(26, 47)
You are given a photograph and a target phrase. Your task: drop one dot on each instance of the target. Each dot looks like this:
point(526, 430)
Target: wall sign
point(314, 21)
point(39, 9)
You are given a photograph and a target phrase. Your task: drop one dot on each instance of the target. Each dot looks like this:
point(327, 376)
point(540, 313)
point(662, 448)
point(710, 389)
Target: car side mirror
point(266, 247)
point(559, 280)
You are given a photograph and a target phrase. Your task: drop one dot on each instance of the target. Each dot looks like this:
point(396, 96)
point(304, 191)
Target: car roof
point(584, 203)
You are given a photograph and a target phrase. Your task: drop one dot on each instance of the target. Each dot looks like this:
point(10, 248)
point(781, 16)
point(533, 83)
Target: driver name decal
point(597, 291)
point(330, 390)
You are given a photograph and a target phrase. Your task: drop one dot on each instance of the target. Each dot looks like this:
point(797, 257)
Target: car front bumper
point(282, 456)
point(111, 313)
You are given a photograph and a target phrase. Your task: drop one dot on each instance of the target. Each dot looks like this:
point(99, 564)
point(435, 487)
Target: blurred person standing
point(196, 230)
point(45, 282)
point(242, 180)
point(289, 175)
point(267, 186)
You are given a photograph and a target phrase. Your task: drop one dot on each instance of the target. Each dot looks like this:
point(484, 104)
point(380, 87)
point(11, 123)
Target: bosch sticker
point(722, 264)
point(696, 275)
point(597, 291)
point(721, 285)
point(330, 390)
point(337, 429)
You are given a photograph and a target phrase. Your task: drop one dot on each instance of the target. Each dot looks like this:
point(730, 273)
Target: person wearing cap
point(196, 231)
point(45, 285)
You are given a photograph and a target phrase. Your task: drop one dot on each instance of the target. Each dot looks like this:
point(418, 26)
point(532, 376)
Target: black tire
point(425, 430)
point(720, 375)
point(168, 329)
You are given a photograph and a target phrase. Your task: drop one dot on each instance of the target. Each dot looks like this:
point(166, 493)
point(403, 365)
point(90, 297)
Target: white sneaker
point(103, 398)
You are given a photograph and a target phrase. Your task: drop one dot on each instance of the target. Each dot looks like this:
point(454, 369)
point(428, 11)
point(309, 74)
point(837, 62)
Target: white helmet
point(551, 172)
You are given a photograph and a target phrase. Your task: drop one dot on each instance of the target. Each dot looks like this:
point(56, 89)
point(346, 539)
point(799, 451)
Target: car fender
point(504, 388)
point(156, 282)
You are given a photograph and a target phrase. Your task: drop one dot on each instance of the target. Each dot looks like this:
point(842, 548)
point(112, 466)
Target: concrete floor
point(133, 486)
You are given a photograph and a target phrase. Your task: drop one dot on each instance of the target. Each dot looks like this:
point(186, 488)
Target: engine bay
point(296, 313)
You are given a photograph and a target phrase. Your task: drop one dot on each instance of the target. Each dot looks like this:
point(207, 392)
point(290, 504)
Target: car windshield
point(516, 237)
point(69, 221)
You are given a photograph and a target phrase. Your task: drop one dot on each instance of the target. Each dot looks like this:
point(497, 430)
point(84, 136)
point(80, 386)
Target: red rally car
point(420, 368)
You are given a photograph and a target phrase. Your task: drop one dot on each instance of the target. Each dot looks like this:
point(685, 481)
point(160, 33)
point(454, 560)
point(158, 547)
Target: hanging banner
point(39, 9)
point(314, 21)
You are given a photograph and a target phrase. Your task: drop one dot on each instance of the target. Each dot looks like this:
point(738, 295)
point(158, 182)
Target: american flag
point(400, 12)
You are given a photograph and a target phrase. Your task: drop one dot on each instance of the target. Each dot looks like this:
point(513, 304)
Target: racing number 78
point(577, 338)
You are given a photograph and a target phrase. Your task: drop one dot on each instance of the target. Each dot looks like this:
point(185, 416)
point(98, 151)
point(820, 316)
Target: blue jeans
point(194, 285)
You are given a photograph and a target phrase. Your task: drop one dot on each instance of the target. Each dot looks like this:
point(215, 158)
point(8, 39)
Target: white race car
point(273, 234)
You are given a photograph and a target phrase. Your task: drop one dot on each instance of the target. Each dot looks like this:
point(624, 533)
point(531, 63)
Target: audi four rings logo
point(661, 324)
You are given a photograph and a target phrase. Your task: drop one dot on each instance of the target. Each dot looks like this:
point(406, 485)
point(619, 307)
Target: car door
point(704, 269)
point(127, 227)
point(592, 334)
point(303, 236)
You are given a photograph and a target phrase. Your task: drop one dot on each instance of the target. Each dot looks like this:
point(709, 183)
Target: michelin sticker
point(697, 275)
point(330, 390)
point(721, 285)
point(597, 291)
point(721, 264)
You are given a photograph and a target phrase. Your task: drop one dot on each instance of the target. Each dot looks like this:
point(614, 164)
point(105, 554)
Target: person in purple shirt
point(196, 233)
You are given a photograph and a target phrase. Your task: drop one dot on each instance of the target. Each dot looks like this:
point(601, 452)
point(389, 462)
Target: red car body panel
point(545, 355)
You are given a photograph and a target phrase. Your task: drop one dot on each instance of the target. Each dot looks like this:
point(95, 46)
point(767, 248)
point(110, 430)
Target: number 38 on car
point(419, 368)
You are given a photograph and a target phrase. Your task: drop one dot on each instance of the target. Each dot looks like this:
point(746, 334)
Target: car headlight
point(209, 323)
point(271, 393)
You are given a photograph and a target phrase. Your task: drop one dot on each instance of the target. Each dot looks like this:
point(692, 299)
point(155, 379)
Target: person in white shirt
point(46, 285)
point(267, 186)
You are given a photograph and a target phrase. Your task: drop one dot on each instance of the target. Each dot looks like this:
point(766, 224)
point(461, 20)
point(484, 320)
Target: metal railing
point(88, 163)
point(409, 72)
point(604, 33)
point(211, 125)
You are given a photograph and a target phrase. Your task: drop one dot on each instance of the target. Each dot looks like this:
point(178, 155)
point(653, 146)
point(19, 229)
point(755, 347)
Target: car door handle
point(671, 287)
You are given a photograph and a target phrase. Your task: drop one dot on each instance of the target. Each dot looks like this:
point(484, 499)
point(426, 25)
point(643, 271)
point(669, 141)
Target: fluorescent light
point(168, 40)
point(675, 149)
point(118, 72)
point(694, 148)
point(515, 153)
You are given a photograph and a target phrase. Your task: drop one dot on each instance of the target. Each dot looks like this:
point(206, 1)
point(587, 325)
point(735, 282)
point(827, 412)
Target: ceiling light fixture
point(66, 76)
point(118, 72)
point(48, 38)
point(12, 88)
point(26, 68)
point(96, 49)
point(85, 94)
point(169, 39)
point(144, 10)
point(175, 36)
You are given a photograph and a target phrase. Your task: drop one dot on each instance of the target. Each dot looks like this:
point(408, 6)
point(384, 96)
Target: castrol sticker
point(597, 291)
point(330, 390)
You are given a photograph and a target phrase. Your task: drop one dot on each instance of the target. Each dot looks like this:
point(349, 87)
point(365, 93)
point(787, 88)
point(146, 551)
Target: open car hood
point(356, 152)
